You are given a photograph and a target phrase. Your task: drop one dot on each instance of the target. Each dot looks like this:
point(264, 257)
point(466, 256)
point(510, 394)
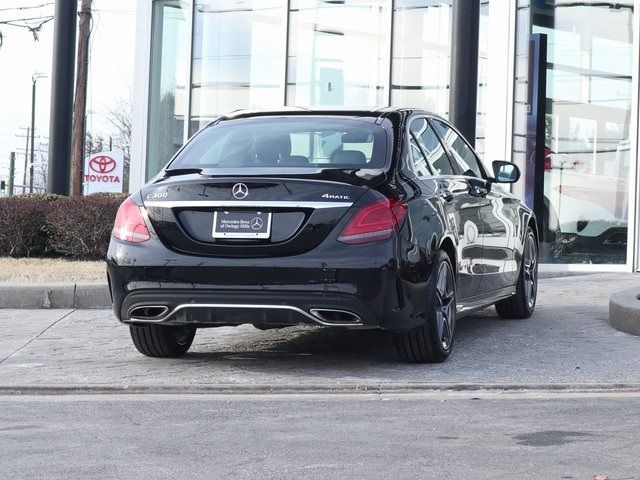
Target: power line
point(25, 19)
point(30, 7)
point(35, 27)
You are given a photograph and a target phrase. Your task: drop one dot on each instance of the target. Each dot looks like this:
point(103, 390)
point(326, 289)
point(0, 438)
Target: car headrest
point(349, 156)
point(269, 149)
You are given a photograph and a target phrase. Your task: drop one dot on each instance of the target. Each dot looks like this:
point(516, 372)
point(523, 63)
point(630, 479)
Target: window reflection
point(421, 54)
point(338, 52)
point(421, 58)
point(237, 57)
point(167, 91)
point(588, 111)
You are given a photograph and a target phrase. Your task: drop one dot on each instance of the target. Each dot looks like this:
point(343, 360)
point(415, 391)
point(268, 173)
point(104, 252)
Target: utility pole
point(64, 48)
point(80, 104)
point(12, 172)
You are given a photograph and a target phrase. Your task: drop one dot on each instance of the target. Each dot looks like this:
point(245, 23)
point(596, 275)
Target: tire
point(522, 304)
point(433, 342)
point(161, 340)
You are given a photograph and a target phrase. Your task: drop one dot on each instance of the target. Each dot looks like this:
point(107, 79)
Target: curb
point(313, 389)
point(624, 311)
point(54, 295)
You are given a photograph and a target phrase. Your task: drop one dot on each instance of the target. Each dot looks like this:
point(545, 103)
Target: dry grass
point(47, 270)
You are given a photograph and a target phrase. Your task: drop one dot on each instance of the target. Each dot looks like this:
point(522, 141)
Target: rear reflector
point(373, 222)
point(129, 225)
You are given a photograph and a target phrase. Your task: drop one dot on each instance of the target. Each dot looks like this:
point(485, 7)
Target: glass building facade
point(209, 57)
point(589, 117)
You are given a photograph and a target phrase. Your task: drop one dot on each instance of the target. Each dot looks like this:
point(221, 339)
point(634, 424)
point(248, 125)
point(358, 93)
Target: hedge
point(54, 226)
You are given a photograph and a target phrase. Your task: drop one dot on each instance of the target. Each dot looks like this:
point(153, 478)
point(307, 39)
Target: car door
point(433, 167)
point(497, 210)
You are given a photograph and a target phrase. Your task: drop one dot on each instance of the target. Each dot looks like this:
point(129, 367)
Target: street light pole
point(34, 80)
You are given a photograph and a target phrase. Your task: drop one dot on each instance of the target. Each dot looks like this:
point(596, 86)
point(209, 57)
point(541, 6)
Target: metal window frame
point(187, 110)
point(633, 240)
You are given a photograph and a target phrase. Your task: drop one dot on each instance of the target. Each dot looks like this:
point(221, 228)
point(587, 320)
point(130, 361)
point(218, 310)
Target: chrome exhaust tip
point(148, 312)
point(330, 316)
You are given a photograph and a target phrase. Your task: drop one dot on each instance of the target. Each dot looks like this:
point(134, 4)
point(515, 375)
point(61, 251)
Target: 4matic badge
point(336, 197)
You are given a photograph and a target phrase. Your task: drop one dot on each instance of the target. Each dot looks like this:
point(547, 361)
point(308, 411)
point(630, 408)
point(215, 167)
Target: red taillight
point(129, 225)
point(376, 221)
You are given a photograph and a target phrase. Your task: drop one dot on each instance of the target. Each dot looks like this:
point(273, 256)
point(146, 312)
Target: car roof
point(375, 112)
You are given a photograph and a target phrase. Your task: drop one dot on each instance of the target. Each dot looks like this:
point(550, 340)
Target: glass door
point(588, 161)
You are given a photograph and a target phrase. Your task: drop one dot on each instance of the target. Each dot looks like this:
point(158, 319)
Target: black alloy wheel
point(523, 303)
point(433, 342)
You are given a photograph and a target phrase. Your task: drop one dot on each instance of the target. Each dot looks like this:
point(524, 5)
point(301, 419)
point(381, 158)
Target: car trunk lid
point(249, 216)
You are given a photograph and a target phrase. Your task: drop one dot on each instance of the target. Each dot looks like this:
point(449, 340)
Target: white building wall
point(140, 94)
point(499, 101)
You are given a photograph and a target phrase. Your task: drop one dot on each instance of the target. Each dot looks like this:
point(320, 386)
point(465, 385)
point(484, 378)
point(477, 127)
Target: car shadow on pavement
point(318, 345)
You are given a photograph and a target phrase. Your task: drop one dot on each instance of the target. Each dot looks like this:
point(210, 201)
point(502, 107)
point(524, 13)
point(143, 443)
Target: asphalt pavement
point(554, 396)
point(449, 436)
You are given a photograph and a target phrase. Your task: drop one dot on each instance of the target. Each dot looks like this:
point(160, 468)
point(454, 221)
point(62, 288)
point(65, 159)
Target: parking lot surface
point(568, 341)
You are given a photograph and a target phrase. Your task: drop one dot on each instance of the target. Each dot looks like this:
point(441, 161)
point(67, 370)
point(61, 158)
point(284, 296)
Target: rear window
point(302, 142)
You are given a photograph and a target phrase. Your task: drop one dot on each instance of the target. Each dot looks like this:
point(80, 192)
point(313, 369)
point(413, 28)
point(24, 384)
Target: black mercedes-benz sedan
point(347, 219)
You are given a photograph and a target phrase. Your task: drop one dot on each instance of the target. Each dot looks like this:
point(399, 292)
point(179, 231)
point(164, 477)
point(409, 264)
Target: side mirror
point(505, 172)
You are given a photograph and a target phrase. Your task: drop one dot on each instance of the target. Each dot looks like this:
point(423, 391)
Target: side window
point(429, 143)
point(418, 161)
point(462, 154)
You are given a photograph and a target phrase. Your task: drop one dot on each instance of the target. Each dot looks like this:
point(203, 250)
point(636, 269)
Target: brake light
point(130, 225)
point(373, 222)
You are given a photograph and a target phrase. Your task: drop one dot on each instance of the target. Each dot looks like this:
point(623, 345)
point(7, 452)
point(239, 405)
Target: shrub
point(49, 225)
point(21, 225)
point(81, 226)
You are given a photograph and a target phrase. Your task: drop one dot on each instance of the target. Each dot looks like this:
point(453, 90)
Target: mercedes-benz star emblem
point(240, 191)
point(256, 223)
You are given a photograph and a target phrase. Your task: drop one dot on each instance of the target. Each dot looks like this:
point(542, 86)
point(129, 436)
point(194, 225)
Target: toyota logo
point(102, 164)
point(256, 223)
point(240, 191)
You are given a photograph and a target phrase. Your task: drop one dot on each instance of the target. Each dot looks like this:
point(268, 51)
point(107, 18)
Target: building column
point(142, 71)
point(463, 93)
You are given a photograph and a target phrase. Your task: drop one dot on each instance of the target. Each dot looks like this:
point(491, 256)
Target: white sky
point(110, 72)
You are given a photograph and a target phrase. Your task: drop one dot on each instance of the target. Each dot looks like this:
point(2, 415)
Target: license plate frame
point(241, 224)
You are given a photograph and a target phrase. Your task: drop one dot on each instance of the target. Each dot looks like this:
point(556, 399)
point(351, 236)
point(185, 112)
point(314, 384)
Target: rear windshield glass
point(303, 142)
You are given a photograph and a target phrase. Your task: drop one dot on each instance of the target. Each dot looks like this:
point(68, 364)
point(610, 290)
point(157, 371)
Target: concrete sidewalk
point(54, 295)
point(567, 343)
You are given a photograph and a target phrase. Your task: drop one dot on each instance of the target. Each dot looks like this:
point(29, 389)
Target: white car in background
point(591, 206)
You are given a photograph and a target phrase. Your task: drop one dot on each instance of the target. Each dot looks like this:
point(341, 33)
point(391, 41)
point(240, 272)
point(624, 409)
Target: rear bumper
point(366, 284)
point(207, 307)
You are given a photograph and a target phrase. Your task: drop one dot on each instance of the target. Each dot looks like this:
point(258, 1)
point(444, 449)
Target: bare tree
point(41, 166)
point(121, 117)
